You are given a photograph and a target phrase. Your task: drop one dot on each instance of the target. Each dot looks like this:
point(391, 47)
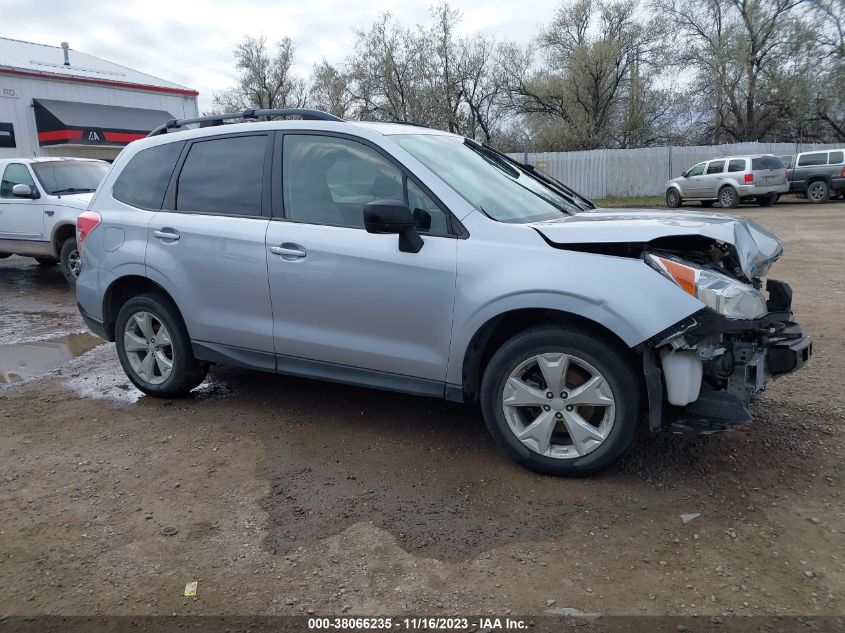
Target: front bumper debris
point(739, 357)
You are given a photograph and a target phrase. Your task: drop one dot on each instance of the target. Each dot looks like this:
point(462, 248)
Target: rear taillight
point(85, 223)
point(842, 173)
point(748, 178)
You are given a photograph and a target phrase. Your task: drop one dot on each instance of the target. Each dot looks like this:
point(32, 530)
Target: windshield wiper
point(492, 156)
point(59, 192)
point(553, 183)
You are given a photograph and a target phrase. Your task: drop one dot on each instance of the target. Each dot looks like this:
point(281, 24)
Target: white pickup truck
point(40, 199)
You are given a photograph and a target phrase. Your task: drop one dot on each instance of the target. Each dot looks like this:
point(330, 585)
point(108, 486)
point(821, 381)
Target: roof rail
point(246, 115)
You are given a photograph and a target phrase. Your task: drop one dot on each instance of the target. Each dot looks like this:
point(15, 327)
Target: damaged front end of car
point(702, 373)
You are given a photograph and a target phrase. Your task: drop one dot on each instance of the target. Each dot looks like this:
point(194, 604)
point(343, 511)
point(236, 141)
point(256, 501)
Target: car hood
point(755, 248)
point(75, 200)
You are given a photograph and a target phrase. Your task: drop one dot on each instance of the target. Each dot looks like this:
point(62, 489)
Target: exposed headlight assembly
point(724, 294)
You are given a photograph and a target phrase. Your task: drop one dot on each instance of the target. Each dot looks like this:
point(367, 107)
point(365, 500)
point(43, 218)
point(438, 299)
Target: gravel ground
point(290, 496)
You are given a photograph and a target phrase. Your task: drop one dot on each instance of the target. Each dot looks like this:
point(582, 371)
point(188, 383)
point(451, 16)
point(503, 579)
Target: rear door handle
point(166, 234)
point(288, 251)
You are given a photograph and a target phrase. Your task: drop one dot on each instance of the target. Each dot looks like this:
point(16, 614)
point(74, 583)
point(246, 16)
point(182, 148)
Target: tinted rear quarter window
point(223, 175)
point(737, 164)
point(836, 158)
point(143, 181)
point(766, 162)
point(817, 158)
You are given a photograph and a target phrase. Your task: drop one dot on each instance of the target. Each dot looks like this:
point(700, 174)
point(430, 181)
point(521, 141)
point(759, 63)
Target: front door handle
point(49, 213)
point(288, 251)
point(166, 234)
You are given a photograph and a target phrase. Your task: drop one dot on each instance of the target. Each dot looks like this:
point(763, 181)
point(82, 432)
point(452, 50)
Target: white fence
point(603, 173)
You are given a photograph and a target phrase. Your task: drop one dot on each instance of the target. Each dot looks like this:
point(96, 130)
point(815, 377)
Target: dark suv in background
point(819, 175)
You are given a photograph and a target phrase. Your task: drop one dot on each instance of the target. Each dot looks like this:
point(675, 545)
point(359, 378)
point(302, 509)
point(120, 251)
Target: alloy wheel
point(74, 263)
point(726, 198)
point(672, 198)
point(558, 405)
point(148, 347)
point(816, 192)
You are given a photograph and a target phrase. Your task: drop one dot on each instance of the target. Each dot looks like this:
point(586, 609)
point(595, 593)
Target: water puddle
point(22, 361)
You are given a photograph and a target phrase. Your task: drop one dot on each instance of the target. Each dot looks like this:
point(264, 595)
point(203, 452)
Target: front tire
point(560, 401)
point(673, 198)
point(728, 198)
point(818, 192)
point(154, 348)
point(70, 261)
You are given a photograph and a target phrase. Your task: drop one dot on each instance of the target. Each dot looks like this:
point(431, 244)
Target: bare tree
point(330, 90)
point(738, 49)
point(829, 19)
point(265, 78)
point(600, 59)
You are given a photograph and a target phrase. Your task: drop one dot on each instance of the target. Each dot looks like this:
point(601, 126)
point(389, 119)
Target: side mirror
point(684, 174)
point(391, 215)
point(24, 191)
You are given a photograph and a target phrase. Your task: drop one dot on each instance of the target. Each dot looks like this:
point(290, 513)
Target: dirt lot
point(292, 496)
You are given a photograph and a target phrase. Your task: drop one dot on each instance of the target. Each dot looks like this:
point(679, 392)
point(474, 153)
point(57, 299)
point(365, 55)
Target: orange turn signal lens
point(685, 276)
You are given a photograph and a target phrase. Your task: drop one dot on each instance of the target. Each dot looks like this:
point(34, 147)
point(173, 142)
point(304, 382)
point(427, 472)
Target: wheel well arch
point(120, 291)
point(60, 234)
point(818, 177)
point(500, 328)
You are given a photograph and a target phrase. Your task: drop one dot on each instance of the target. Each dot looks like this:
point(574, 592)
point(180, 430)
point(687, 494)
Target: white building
point(55, 101)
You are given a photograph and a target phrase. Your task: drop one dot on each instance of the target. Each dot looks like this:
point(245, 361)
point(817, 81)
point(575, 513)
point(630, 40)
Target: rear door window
point(223, 176)
point(766, 162)
point(737, 164)
point(716, 167)
point(835, 158)
point(816, 158)
point(143, 181)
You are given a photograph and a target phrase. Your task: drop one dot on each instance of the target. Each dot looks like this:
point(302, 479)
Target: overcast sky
point(191, 43)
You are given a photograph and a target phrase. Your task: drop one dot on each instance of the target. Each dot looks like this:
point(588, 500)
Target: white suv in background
point(39, 201)
point(730, 180)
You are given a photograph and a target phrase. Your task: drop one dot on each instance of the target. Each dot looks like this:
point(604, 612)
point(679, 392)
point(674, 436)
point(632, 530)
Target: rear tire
point(579, 439)
point(673, 199)
point(70, 261)
point(728, 198)
point(818, 192)
point(164, 367)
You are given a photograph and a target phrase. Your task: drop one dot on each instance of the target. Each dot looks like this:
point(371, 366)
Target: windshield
point(489, 182)
point(70, 176)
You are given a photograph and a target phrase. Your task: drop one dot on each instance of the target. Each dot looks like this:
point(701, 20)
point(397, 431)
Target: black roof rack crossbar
point(246, 115)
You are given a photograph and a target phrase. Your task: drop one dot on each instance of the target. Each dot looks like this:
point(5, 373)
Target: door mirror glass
point(23, 191)
point(391, 215)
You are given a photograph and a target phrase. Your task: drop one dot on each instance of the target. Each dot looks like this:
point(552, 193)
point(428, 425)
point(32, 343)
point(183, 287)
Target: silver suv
point(730, 181)
point(404, 258)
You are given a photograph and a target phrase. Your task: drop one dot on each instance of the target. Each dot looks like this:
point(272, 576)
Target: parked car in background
point(410, 259)
point(730, 181)
point(39, 201)
point(819, 175)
